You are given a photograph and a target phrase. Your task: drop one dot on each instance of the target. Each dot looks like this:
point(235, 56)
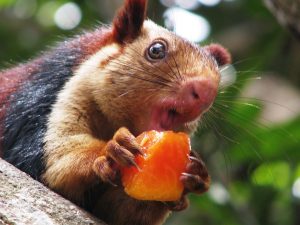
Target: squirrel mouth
point(182, 110)
point(174, 116)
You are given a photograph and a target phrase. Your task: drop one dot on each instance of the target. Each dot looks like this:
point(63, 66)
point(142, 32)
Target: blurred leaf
point(243, 113)
point(240, 192)
point(261, 143)
point(297, 172)
point(6, 3)
point(275, 174)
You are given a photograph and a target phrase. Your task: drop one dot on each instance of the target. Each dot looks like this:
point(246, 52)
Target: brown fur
point(130, 211)
point(220, 54)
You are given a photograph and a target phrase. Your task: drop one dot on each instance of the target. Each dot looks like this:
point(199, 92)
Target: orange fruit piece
point(165, 158)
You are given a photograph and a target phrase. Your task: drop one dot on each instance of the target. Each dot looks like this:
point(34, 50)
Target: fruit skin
point(165, 159)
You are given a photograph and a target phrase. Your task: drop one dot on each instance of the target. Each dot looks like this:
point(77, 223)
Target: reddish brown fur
point(129, 20)
point(91, 42)
point(220, 54)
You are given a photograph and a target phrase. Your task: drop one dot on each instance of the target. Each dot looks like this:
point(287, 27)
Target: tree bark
point(287, 13)
point(25, 201)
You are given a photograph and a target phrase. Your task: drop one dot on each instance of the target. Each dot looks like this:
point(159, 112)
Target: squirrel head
point(129, 20)
point(147, 77)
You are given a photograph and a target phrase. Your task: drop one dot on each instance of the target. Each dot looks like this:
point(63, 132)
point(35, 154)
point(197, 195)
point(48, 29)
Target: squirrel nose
point(199, 93)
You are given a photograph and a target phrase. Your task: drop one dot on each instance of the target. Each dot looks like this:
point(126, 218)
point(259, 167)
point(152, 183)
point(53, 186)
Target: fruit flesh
point(165, 158)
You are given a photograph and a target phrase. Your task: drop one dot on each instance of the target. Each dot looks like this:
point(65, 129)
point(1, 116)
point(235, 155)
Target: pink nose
point(198, 94)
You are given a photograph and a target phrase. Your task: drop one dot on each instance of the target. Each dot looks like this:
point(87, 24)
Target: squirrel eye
point(157, 51)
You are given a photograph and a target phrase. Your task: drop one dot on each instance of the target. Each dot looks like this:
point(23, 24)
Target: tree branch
point(26, 201)
point(287, 13)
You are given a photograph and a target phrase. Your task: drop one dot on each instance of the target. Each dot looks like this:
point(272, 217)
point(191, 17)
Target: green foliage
point(274, 174)
point(6, 3)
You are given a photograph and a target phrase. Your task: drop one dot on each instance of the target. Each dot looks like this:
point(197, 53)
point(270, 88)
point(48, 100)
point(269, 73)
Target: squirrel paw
point(196, 178)
point(120, 151)
point(103, 169)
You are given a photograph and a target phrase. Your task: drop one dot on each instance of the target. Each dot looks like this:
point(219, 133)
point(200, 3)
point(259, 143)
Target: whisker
point(217, 129)
point(161, 79)
point(240, 98)
point(139, 78)
point(220, 116)
point(244, 60)
point(177, 68)
point(239, 103)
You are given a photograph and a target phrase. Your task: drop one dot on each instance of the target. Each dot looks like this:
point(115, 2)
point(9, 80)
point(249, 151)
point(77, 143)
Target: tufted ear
point(221, 55)
point(129, 20)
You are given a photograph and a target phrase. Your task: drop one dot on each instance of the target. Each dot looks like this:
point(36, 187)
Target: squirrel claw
point(124, 138)
point(193, 183)
point(136, 166)
point(119, 154)
point(196, 178)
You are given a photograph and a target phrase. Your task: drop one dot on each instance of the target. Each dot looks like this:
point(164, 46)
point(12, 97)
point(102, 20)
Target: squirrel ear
point(221, 55)
point(129, 20)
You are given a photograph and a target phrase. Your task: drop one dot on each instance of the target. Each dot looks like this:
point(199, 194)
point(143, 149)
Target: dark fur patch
point(221, 55)
point(26, 120)
point(26, 114)
point(129, 20)
point(10, 82)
